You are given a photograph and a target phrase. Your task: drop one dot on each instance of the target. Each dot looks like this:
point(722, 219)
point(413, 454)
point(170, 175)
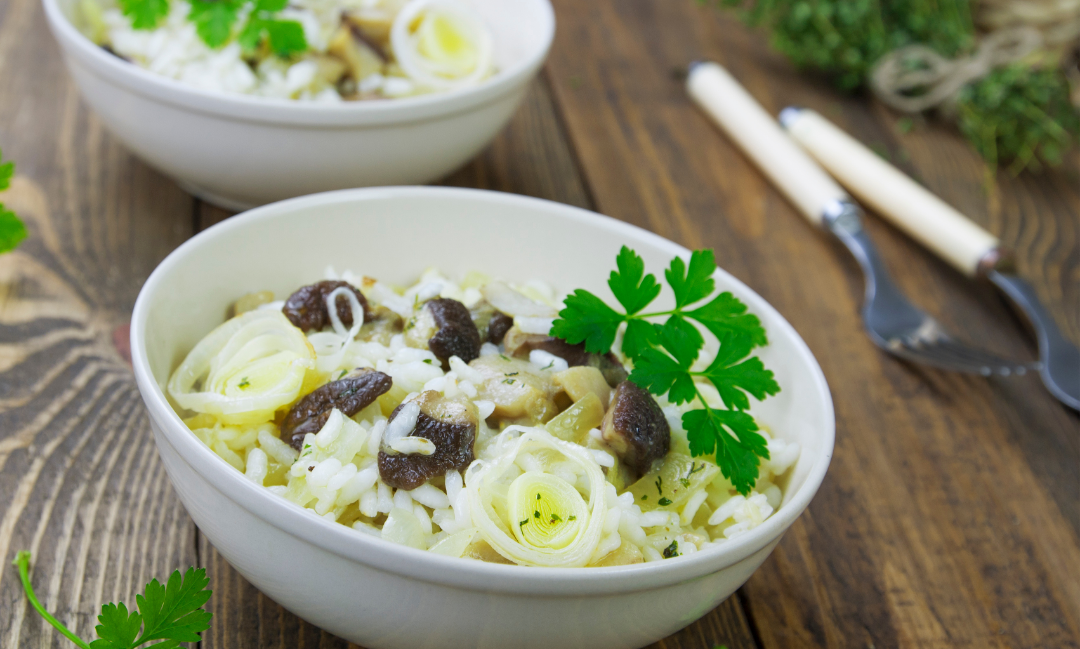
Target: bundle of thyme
point(1020, 115)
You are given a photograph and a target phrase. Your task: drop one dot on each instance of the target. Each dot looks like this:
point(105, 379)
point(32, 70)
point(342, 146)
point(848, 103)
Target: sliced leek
point(539, 519)
point(245, 370)
point(442, 44)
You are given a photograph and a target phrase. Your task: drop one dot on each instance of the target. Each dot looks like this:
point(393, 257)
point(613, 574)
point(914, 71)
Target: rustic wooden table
point(950, 516)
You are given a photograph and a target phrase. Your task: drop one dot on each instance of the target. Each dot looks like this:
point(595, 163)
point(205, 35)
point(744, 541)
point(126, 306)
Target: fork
point(892, 322)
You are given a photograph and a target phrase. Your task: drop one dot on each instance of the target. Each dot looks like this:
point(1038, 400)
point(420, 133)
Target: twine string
point(915, 78)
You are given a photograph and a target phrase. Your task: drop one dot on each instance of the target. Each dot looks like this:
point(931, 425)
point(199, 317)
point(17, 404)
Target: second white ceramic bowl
point(386, 596)
point(239, 151)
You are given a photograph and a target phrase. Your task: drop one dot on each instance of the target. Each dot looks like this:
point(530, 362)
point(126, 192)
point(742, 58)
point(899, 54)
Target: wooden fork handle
point(888, 191)
point(759, 135)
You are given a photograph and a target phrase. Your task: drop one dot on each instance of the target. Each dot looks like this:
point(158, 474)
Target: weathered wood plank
point(949, 515)
point(81, 485)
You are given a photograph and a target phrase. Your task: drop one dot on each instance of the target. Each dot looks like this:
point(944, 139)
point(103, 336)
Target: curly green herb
point(663, 354)
point(170, 613)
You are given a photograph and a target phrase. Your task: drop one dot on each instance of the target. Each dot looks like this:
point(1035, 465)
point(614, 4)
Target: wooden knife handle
point(882, 187)
point(759, 135)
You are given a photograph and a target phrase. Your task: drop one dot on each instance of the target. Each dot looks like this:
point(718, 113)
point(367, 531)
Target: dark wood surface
point(950, 516)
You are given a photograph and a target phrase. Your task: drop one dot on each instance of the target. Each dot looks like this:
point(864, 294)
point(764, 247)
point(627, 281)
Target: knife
point(941, 228)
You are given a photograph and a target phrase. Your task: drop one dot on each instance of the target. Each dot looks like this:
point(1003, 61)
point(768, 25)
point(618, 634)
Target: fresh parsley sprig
point(168, 614)
point(215, 22)
point(664, 354)
point(12, 229)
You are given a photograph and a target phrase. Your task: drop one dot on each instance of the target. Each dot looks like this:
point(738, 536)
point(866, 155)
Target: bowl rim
point(425, 566)
point(162, 89)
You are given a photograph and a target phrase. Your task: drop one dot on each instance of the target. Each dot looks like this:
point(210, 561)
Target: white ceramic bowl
point(382, 595)
point(239, 151)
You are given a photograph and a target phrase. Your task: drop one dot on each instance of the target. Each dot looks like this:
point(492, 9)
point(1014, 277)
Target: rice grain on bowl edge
point(541, 481)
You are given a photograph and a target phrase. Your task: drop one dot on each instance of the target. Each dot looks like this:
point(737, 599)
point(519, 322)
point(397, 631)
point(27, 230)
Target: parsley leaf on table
point(171, 613)
point(7, 170)
point(663, 355)
point(145, 14)
point(12, 229)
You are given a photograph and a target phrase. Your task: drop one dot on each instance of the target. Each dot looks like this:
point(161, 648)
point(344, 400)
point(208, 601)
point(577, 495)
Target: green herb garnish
point(663, 354)
point(215, 22)
point(555, 518)
point(572, 518)
point(671, 550)
point(12, 229)
point(664, 502)
point(243, 383)
point(171, 613)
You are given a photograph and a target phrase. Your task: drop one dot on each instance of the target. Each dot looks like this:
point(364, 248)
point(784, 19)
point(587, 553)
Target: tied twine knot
point(911, 68)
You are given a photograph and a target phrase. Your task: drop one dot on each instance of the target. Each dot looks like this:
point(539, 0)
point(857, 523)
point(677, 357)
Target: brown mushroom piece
point(349, 394)
point(519, 344)
point(446, 328)
point(499, 324)
point(307, 309)
point(635, 428)
point(450, 424)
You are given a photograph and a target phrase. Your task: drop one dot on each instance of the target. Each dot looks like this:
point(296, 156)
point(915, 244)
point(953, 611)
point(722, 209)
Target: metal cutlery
point(948, 233)
point(892, 322)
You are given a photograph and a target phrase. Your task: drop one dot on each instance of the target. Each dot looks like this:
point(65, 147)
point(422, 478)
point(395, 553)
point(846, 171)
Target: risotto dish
point(317, 50)
point(458, 416)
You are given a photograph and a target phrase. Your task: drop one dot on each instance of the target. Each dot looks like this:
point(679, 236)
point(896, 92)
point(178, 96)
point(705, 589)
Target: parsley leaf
point(631, 286)
point(682, 340)
point(639, 336)
point(118, 628)
point(737, 451)
point(12, 229)
point(174, 611)
point(664, 355)
point(7, 170)
point(171, 613)
point(659, 373)
point(733, 379)
point(284, 37)
point(214, 19)
point(726, 313)
point(585, 318)
point(145, 14)
point(694, 283)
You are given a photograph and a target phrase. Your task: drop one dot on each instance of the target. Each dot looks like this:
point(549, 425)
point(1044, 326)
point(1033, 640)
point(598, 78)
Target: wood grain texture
point(81, 485)
point(949, 516)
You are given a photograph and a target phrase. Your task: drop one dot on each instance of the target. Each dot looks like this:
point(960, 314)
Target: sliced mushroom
point(350, 395)
point(520, 392)
point(519, 344)
point(635, 428)
point(362, 57)
point(448, 423)
point(499, 324)
point(383, 325)
point(306, 308)
point(446, 328)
